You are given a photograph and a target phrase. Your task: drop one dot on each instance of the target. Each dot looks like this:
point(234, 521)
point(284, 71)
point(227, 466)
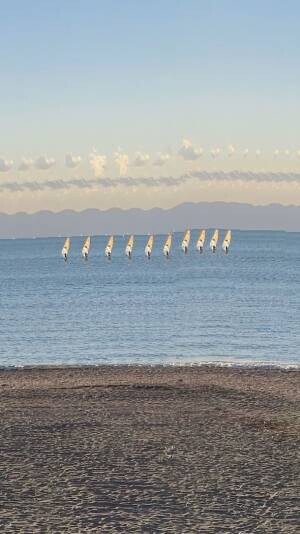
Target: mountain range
point(156, 220)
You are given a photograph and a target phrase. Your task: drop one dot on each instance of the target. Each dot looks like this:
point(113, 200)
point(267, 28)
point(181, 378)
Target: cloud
point(122, 161)
point(188, 152)
point(258, 152)
point(231, 150)
point(140, 159)
point(97, 163)
point(25, 164)
point(161, 159)
point(43, 163)
point(246, 152)
point(5, 164)
point(276, 153)
point(244, 176)
point(150, 182)
point(72, 161)
point(215, 152)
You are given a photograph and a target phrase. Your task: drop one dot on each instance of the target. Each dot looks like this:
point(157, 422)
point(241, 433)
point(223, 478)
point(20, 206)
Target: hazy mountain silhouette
point(157, 220)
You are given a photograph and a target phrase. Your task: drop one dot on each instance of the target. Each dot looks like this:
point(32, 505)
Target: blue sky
point(143, 75)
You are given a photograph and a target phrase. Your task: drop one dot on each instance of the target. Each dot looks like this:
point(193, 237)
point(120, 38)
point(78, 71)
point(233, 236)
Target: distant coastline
point(240, 216)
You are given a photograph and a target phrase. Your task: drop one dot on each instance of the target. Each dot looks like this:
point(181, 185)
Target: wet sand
point(149, 449)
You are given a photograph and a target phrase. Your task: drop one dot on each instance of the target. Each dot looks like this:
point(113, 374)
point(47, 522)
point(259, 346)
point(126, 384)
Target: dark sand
point(141, 449)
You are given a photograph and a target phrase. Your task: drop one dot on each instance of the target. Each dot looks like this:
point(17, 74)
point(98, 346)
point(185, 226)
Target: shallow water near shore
point(240, 308)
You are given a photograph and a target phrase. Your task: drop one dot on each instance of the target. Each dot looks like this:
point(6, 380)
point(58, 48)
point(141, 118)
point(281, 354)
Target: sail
point(167, 245)
point(214, 240)
point(227, 241)
point(110, 242)
point(149, 246)
point(186, 241)
point(201, 240)
point(66, 248)
point(109, 246)
point(86, 247)
point(150, 242)
point(67, 244)
point(130, 241)
point(129, 246)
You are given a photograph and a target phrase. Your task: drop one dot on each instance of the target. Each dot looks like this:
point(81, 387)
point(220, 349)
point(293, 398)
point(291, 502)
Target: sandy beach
point(149, 449)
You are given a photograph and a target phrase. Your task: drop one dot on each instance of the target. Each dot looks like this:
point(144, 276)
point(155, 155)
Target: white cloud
point(141, 159)
point(72, 161)
point(215, 152)
point(258, 153)
point(5, 164)
point(246, 152)
point(161, 159)
point(43, 163)
point(231, 150)
point(122, 160)
point(276, 153)
point(287, 152)
point(188, 152)
point(97, 162)
point(25, 164)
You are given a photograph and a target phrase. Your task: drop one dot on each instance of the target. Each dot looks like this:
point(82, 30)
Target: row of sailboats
point(150, 242)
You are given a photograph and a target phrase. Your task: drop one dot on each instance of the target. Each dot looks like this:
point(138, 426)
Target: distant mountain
point(157, 220)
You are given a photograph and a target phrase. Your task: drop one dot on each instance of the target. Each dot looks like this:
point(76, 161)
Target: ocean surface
point(243, 307)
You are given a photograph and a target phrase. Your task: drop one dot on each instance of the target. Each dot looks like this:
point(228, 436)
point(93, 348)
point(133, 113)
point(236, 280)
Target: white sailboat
point(149, 246)
point(214, 241)
point(186, 241)
point(167, 246)
point(226, 242)
point(86, 248)
point(66, 248)
point(109, 247)
point(201, 241)
point(129, 247)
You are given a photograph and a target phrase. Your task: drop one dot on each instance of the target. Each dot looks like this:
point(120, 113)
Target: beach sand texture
point(149, 449)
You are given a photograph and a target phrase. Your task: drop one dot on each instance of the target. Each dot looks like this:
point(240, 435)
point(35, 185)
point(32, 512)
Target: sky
point(138, 104)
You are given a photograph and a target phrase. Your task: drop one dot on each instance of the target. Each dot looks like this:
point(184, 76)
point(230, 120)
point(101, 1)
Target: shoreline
point(217, 364)
point(134, 448)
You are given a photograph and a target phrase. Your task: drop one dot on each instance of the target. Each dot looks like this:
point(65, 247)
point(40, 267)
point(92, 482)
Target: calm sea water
point(239, 308)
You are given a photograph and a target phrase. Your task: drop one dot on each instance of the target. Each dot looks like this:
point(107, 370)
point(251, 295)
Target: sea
point(242, 308)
